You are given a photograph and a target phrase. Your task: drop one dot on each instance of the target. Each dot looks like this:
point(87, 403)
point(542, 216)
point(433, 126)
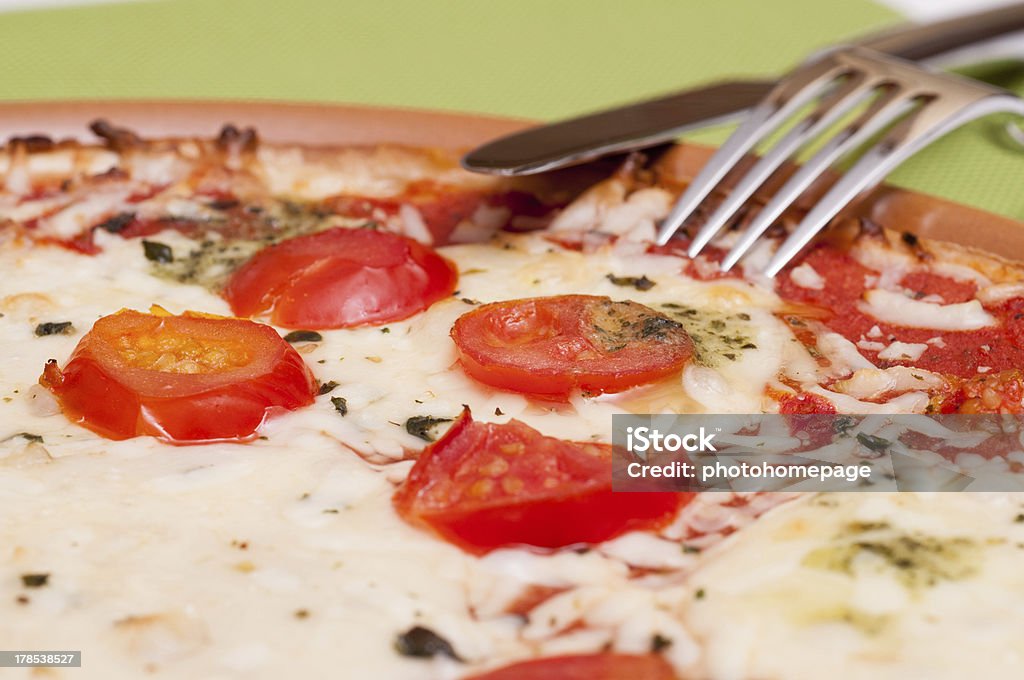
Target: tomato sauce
point(957, 353)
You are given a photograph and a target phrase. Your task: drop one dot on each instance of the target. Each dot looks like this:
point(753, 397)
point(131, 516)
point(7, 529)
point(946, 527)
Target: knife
point(663, 119)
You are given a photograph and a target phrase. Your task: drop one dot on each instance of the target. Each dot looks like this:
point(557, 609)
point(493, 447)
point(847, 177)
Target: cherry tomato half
point(550, 346)
point(185, 379)
point(605, 666)
point(484, 485)
point(340, 278)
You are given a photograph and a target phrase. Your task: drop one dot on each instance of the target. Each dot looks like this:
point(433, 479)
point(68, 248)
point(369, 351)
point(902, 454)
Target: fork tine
point(906, 139)
point(845, 98)
point(883, 112)
point(763, 119)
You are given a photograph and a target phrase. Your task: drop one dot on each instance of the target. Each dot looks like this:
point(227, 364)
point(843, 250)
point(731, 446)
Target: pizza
point(272, 410)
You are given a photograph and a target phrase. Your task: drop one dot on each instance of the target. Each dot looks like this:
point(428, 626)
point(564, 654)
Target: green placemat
point(534, 58)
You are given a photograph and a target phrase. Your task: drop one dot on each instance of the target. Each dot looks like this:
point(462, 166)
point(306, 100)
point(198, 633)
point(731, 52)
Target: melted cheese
point(289, 558)
point(806, 276)
point(315, 517)
point(285, 557)
point(899, 310)
point(903, 351)
point(879, 586)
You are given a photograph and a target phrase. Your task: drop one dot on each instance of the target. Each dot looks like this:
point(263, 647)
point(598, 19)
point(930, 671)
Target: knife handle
point(918, 42)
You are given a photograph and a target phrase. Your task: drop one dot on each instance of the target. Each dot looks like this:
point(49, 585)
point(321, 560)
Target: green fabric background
point(533, 58)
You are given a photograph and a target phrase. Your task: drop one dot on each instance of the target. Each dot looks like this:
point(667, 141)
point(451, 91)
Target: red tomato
point(185, 379)
point(341, 278)
point(605, 666)
point(550, 346)
point(483, 486)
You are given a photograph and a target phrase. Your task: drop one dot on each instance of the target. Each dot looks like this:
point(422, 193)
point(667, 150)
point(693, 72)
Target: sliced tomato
point(185, 379)
point(341, 278)
point(606, 666)
point(551, 346)
point(484, 485)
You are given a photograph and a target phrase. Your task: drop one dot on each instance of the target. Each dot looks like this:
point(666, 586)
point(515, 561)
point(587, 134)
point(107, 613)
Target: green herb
point(340, 405)
point(423, 643)
point(385, 330)
point(28, 436)
point(916, 560)
point(117, 223)
point(34, 580)
point(700, 594)
point(872, 442)
point(1019, 519)
point(658, 327)
point(303, 336)
point(690, 549)
point(327, 387)
point(842, 425)
point(640, 283)
point(422, 426)
point(157, 252)
point(660, 643)
point(55, 328)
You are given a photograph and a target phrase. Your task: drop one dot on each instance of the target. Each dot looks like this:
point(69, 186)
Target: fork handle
point(924, 41)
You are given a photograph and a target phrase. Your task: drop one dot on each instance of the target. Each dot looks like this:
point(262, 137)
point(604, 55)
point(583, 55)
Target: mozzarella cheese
point(866, 586)
point(284, 555)
point(806, 276)
point(899, 310)
point(903, 351)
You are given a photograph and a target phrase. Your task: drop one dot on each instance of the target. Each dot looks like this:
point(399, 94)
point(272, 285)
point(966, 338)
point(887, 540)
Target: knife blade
point(662, 119)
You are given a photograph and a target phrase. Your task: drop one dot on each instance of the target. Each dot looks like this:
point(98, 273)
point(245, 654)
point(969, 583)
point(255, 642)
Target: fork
point(907, 106)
